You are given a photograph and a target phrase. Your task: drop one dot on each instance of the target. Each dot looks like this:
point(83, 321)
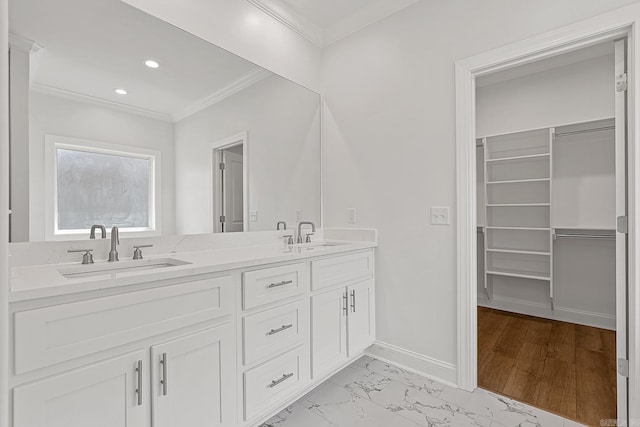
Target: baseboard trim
point(588, 318)
point(411, 361)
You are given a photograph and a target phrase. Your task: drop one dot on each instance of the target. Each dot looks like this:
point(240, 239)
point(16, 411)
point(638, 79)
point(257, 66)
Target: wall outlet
point(298, 215)
point(351, 215)
point(253, 216)
point(440, 216)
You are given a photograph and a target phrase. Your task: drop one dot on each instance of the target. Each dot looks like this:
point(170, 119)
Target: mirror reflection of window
point(97, 188)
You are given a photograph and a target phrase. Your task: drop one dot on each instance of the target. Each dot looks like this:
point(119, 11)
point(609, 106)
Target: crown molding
point(75, 96)
point(290, 19)
point(243, 82)
point(23, 44)
point(364, 17)
point(358, 20)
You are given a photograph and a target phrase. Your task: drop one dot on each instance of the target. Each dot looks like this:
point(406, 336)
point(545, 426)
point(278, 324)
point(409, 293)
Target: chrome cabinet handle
point(163, 381)
point(280, 329)
point(353, 301)
point(278, 381)
point(346, 303)
point(284, 282)
point(139, 388)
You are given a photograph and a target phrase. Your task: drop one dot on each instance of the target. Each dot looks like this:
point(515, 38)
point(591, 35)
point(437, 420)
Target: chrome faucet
point(115, 241)
point(281, 223)
point(98, 227)
point(313, 229)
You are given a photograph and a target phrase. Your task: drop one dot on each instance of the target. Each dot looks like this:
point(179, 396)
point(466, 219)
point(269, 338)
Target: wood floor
point(557, 366)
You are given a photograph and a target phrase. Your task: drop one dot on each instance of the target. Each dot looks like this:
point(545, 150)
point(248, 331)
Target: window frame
point(55, 142)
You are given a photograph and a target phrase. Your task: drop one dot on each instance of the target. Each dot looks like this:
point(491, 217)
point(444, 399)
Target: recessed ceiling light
point(151, 64)
point(120, 91)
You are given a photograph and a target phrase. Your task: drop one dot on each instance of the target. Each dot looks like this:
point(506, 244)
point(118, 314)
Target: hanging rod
point(585, 236)
point(577, 132)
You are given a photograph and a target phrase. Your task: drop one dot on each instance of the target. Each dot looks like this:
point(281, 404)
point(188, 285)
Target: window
point(96, 183)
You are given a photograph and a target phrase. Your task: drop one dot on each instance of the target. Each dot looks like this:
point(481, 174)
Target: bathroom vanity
point(224, 337)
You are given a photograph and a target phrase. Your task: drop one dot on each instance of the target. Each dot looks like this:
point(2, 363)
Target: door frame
point(619, 23)
point(215, 148)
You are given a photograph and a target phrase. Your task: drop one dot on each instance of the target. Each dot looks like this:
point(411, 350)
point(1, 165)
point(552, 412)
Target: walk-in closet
point(547, 186)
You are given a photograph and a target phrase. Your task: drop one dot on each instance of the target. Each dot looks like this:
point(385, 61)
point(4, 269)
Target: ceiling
point(326, 21)
point(325, 13)
point(91, 47)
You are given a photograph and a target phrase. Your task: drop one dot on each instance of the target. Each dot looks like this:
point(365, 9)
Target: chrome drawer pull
point(163, 381)
point(283, 328)
point(284, 378)
point(284, 282)
point(353, 298)
point(345, 307)
point(139, 389)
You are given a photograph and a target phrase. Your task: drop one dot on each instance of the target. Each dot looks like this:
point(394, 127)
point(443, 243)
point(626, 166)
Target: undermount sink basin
point(115, 268)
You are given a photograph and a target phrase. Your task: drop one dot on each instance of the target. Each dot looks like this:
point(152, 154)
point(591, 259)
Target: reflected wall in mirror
point(121, 119)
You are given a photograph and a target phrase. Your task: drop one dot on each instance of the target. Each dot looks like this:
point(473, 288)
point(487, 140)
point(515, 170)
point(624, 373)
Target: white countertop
point(42, 281)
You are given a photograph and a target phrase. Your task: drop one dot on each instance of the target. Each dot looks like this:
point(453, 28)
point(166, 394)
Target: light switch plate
point(253, 216)
point(351, 215)
point(440, 215)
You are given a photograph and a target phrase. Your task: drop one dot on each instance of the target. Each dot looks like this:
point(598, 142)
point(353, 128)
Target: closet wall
point(579, 197)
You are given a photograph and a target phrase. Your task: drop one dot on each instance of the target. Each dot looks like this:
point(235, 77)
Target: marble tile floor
point(371, 393)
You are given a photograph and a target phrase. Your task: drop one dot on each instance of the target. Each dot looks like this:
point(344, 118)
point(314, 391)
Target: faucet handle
point(308, 239)
point(87, 258)
point(137, 254)
point(290, 239)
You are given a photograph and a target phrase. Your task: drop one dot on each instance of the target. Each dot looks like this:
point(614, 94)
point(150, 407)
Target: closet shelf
point(515, 205)
point(519, 228)
point(518, 251)
point(518, 181)
point(514, 158)
point(519, 273)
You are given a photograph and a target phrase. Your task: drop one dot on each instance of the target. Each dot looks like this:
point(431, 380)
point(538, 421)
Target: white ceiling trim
point(291, 20)
point(351, 23)
point(74, 96)
point(362, 18)
point(243, 82)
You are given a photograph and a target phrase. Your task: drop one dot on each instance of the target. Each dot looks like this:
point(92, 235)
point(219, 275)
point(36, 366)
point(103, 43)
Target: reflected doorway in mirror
point(229, 184)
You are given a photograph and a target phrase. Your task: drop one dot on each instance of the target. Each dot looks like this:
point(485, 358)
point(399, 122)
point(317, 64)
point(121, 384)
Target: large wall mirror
point(121, 119)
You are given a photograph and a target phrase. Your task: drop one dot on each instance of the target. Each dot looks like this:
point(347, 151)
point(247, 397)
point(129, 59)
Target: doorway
point(548, 190)
point(503, 257)
point(229, 184)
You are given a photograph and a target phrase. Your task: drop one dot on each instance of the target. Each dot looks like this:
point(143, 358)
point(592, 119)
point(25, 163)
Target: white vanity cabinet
point(109, 393)
point(342, 310)
point(229, 348)
point(57, 345)
point(191, 377)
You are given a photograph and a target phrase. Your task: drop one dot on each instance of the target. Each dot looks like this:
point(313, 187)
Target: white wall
point(64, 117)
point(389, 144)
point(578, 92)
point(282, 121)
point(243, 29)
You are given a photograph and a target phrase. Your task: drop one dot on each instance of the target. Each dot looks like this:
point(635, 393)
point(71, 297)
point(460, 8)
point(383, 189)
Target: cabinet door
point(105, 394)
point(360, 320)
point(329, 331)
point(193, 379)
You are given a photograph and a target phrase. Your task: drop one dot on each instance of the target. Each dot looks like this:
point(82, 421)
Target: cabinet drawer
point(274, 331)
point(267, 384)
point(272, 284)
point(337, 270)
point(50, 335)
